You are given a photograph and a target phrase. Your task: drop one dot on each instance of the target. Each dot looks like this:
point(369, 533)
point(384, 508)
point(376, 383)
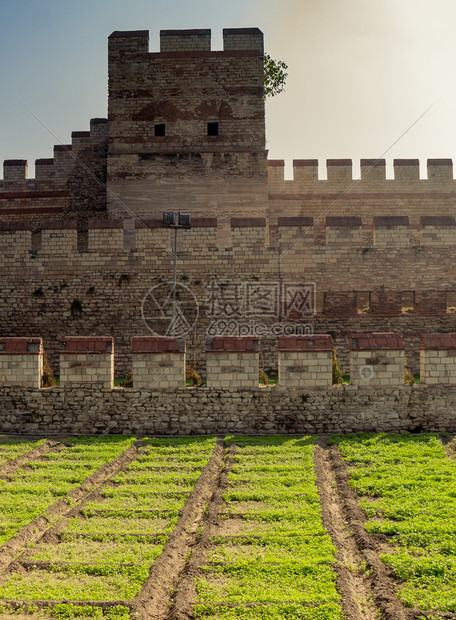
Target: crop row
point(41, 482)
point(11, 448)
point(104, 550)
point(408, 485)
point(271, 556)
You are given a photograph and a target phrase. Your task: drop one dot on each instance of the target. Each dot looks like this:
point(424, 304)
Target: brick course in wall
point(305, 361)
point(88, 359)
point(158, 363)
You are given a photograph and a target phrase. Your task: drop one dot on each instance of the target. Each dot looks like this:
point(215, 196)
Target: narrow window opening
point(160, 129)
point(212, 129)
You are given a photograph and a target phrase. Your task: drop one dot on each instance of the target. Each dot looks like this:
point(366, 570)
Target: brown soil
point(366, 547)
point(185, 595)
point(167, 571)
point(449, 443)
point(354, 586)
point(434, 615)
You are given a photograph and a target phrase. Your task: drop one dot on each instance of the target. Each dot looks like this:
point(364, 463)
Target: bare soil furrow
point(152, 603)
point(185, 594)
point(354, 586)
point(382, 582)
point(433, 615)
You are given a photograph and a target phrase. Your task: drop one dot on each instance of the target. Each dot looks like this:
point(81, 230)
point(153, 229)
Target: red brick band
point(391, 220)
point(153, 344)
point(339, 162)
point(297, 163)
point(15, 162)
point(315, 342)
point(343, 221)
point(437, 342)
point(21, 346)
point(241, 344)
point(295, 221)
point(248, 222)
point(387, 341)
point(86, 344)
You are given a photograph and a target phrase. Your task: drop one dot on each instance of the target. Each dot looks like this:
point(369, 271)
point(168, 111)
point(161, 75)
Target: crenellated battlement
point(372, 195)
point(195, 41)
point(373, 173)
point(58, 169)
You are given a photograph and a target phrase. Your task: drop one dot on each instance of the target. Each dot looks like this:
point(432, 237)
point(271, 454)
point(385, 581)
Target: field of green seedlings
point(271, 551)
point(224, 529)
point(408, 485)
point(44, 480)
point(104, 549)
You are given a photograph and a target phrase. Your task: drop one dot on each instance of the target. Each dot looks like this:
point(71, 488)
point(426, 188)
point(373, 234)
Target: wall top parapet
point(437, 341)
point(87, 344)
point(315, 342)
point(21, 346)
point(387, 341)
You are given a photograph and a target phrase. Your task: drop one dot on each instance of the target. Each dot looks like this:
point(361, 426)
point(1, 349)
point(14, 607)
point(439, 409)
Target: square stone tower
point(186, 124)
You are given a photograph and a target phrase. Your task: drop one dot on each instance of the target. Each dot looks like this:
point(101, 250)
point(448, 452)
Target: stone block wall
point(160, 105)
point(438, 359)
point(305, 361)
point(338, 409)
point(158, 363)
point(21, 362)
point(232, 362)
point(87, 359)
point(53, 287)
point(377, 360)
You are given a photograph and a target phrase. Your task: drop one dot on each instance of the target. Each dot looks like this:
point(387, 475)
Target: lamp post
point(182, 223)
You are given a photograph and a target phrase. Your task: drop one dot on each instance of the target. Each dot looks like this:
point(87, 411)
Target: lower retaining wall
point(339, 409)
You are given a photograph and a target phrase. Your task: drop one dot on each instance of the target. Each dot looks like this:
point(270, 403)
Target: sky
point(366, 78)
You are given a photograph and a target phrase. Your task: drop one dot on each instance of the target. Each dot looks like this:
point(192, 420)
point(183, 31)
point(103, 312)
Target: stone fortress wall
point(158, 403)
point(81, 244)
point(57, 289)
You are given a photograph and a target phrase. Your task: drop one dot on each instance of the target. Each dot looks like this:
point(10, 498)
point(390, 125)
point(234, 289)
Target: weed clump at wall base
point(48, 374)
point(337, 376)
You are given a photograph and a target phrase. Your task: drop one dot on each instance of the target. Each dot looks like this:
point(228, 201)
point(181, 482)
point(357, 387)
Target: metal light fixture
point(183, 220)
point(169, 219)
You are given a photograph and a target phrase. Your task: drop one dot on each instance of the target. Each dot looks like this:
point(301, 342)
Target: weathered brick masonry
point(186, 131)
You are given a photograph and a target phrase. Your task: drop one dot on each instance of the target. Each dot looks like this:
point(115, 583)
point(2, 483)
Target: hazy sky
point(361, 72)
